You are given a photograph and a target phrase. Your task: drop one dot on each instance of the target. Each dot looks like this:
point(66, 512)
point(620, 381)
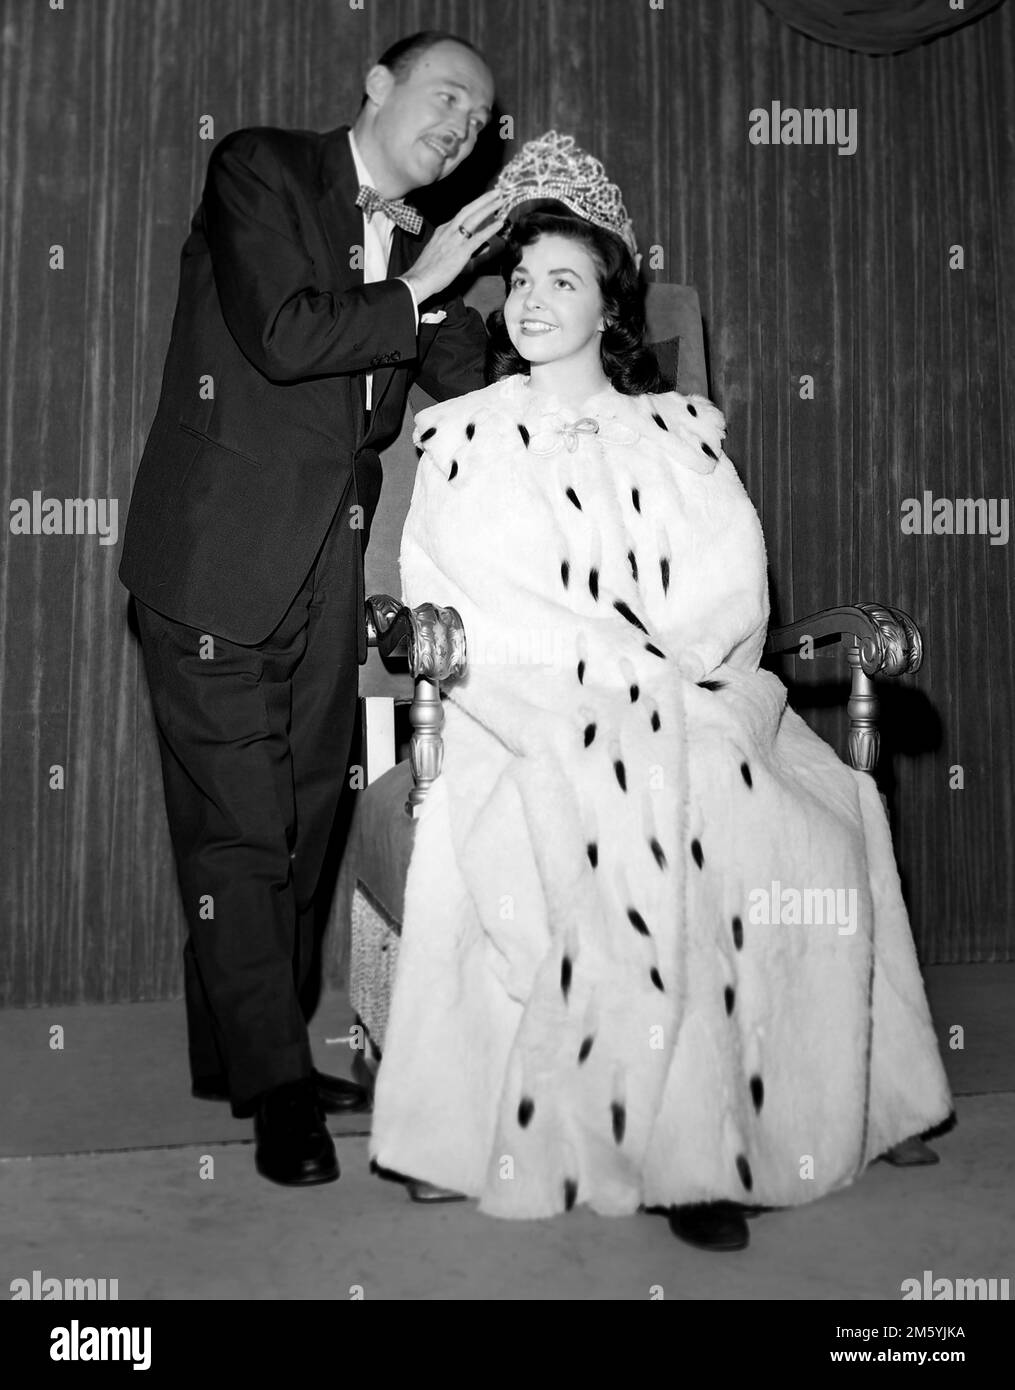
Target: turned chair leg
point(426, 747)
point(863, 709)
point(864, 747)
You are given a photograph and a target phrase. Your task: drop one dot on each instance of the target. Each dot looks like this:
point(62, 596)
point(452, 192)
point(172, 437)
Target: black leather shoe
point(711, 1225)
point(338, 1096)
point(334, 1094)
point(293, 1146)
point(911, 1153)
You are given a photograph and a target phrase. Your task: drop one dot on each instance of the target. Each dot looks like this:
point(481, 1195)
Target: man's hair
point(402, 57)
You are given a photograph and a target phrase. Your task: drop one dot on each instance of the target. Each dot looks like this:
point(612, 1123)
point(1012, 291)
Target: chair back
point(673, 314)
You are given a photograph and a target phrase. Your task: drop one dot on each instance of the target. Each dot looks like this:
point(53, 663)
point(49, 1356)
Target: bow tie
point(400, 213)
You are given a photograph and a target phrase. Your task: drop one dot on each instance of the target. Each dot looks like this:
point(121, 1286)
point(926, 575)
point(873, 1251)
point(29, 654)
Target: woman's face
point(554, 307)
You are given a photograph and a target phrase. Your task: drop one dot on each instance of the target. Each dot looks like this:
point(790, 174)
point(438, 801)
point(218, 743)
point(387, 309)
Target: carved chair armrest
point(879, 641)
point(433, 640)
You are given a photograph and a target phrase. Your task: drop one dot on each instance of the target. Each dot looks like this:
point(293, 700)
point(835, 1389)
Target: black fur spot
point(428, 434)
point(581, 673)
point(570, 1193)
point(659, 421)
point(738, 933)
point(757, 1092)
point(690, 409)
point(565, 572)
point(594, 584)
point(618, 1115)
point(634, 692)
point(565, 976)
point(592, 850)
point(452, 470)
point(585, 1048)
point(621, 774)
point(636, 499)
point(664, 571)
point(419, 452)
point(650, 647)
point(697, 853)
point(470, 430)
point(637, 921)
point(526, 1107)
point(745, 773)
point(524, 434)
point(657, 850)
point(744, 1169)
point(625, 612)
point(656, 722)
point(632, 560)
point(707, 449)
point(712, 685)
point(656, 978)
point(572, 497)
point(590, 733)
point(730, 997)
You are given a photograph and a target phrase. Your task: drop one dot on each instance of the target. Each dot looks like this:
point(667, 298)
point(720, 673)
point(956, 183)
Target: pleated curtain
point(857, 306)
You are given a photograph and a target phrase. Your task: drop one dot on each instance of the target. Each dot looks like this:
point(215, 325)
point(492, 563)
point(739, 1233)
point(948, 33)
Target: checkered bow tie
point(400, 213)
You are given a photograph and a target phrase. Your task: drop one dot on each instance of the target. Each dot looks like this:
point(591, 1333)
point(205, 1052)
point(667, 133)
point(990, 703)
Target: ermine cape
point(654, 949)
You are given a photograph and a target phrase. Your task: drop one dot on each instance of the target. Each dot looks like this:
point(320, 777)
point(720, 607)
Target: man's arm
point(286, 325)
point(454, 362)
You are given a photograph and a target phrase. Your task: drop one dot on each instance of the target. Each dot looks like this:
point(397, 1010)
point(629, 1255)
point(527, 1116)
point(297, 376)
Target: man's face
point(427, 124)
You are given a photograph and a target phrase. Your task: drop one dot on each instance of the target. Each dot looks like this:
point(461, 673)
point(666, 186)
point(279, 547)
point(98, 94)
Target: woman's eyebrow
point(560, 270)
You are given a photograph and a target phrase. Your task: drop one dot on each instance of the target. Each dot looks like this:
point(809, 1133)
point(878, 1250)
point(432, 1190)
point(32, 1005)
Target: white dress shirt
point(378, 232)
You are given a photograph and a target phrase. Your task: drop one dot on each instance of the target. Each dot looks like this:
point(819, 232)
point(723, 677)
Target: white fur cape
point(605, 993)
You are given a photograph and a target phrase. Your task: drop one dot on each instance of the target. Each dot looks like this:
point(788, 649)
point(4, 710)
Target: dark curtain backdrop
point(878, 26)
point(808, 263)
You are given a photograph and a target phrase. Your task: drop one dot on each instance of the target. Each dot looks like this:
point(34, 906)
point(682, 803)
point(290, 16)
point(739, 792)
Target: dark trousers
point(255, 745)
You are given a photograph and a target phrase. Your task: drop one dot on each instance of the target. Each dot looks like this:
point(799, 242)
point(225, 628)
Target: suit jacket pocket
point(216, 443)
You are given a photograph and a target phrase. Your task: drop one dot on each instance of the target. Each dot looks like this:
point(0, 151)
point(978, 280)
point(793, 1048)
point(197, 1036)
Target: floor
point(108, 1169)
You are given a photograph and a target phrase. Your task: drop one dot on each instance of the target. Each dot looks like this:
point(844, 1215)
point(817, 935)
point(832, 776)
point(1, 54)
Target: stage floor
point(105, 1150)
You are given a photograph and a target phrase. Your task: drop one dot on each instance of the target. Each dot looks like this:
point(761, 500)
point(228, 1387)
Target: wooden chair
point(878, 641)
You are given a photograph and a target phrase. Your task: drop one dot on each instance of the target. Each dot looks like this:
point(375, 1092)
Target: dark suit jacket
point(236, 490)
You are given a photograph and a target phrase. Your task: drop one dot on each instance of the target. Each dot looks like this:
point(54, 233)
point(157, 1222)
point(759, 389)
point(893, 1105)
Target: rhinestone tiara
point(554, 167)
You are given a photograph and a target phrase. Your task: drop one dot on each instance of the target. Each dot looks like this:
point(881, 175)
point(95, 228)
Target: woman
point(589, 1005)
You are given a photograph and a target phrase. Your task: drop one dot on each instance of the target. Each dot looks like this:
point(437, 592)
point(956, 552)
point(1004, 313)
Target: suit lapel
point(342, 221)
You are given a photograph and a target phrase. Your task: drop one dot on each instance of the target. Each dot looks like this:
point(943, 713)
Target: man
point(304, 313)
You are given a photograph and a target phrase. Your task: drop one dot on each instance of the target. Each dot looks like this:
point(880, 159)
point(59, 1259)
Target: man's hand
point(449, 250)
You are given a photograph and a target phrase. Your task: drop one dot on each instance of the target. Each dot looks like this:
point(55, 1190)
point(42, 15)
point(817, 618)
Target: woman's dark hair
point(630, 365)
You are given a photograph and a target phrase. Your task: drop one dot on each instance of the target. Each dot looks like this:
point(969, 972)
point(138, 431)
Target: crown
point(554, 167)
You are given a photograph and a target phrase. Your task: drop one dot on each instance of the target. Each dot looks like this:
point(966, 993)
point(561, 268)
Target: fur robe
point(654, 949)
